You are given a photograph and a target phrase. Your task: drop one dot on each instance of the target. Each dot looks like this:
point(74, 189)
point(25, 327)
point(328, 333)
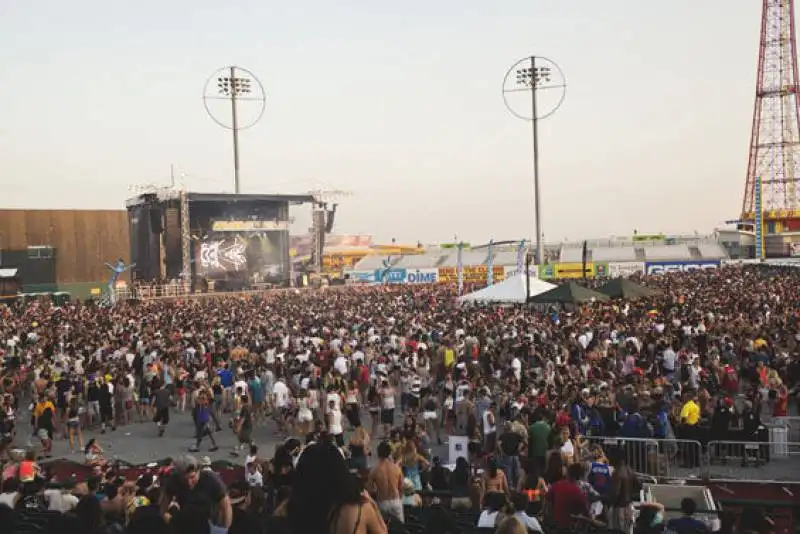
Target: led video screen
point(222, 255)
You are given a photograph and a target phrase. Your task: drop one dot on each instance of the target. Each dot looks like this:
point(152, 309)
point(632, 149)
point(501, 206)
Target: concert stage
point(229, 239)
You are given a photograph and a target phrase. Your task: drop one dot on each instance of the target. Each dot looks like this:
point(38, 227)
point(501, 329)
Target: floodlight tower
point(535, 74)
point(235, 84)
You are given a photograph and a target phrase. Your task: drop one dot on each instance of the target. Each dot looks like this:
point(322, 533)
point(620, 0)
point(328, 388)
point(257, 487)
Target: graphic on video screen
point(223, 255)
point(250, 255)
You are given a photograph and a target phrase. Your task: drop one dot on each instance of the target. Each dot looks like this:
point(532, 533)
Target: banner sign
point(573, 270)
point(471, 274)
point(547, 272)
point(511, 270)
point(422, 276)
point(363, 276)
point(661, 267)
point(744, 261)
point(600, 270)
point(390, 276)
point(625, 269)
point(248, 226)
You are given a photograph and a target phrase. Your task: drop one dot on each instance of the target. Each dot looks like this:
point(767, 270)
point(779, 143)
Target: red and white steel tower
point(775, 139)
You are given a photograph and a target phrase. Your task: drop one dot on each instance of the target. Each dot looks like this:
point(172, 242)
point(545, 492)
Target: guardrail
point(678, 459)
point(659, 458)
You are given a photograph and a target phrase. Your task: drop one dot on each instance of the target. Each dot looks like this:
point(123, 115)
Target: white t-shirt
point(337, 401)
point(240, 384)
point(254, 479)
point(281, 392)
point(530, 523)
point(487, 519)
point(387, 399)
point(340, 365)
point(335, 426)
point(57, 501)
point(669, 359)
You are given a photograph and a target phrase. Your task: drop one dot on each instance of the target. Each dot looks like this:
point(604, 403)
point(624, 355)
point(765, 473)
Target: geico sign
point(678, 267)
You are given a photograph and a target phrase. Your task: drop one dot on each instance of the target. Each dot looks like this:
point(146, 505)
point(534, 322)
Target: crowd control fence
point(658, 458)
point(792, 426)
point(679, 459)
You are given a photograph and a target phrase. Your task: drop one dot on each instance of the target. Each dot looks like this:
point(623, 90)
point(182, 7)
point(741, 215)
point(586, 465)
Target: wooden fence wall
point(84, 239)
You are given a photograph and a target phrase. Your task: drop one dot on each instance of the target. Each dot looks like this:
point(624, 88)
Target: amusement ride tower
point(771, 203)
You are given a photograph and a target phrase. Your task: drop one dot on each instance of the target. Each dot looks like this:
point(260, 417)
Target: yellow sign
point(573, 270)
point(648, 237)
point(473, 274)
point(248, 226)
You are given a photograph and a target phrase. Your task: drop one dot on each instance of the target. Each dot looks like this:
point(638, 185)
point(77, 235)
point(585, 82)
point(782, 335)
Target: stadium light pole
point(535, 74)
point(235, 84)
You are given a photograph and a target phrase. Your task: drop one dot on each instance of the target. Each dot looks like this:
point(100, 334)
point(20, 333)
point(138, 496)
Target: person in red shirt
point(567, 498)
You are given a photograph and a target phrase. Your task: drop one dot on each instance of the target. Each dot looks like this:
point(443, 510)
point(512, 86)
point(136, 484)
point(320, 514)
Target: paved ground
point(139, 442)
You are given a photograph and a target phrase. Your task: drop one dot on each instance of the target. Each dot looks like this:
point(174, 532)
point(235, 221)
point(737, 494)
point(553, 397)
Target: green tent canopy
point(622, 288)
point(569, 293)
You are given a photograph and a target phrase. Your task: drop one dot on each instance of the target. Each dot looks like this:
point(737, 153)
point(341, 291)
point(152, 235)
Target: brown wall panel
point(84, 239)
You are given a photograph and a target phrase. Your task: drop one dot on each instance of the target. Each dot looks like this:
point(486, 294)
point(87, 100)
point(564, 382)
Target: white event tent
point(510, 290)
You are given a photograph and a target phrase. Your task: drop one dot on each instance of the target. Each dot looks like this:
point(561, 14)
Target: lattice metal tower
point(775, 139)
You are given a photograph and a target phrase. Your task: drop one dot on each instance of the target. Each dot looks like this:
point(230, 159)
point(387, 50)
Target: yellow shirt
point(41, 407)
point(690, 413)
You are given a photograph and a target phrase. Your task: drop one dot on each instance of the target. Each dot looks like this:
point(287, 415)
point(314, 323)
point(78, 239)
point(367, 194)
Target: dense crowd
point(336, 372)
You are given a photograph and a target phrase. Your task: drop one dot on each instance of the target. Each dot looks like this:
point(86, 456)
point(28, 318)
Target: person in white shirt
point(10, 494)
point(335, 423)
point(61, 500)
point(520, 502)
point(340, 364)
point(253, 475)
point(280, 399)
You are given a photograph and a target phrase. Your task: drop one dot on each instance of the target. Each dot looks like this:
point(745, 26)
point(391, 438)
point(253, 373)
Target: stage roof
point(161, 196)
point(230, 197)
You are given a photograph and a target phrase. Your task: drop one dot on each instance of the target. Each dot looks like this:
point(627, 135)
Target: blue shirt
point(225, 377)
point(600, 478)
point(203, 415)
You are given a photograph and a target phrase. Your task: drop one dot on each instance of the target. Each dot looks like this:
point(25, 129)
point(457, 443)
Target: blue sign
point(391, 276)
point(661, 267)
point(422, 276)
point(363, 276)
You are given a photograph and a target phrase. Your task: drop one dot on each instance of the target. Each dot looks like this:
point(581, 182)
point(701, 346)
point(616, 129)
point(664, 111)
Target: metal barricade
point(792, 425)
point(753, 460)
point(670, 459)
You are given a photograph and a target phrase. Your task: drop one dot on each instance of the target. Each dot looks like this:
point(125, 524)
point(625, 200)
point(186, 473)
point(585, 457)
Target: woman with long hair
point(494, 479)
point(411, 460)
point(533, 486)
point(554, 469)
point(353, 403)
point(327, 499)
point(460, 485)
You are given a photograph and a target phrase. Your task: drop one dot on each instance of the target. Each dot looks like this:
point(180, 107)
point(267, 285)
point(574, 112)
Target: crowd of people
point(361, 384)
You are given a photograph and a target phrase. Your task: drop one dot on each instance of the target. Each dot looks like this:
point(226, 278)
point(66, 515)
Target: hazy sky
point(398, 102)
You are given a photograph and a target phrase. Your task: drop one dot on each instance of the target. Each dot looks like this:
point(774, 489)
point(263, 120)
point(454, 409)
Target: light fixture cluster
point(234, 86)
point(533, 77)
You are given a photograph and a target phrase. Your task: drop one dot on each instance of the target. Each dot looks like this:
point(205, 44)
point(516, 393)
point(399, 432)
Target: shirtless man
point(386, 481)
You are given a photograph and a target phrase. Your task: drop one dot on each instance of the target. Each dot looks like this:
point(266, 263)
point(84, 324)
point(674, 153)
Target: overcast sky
point(399, 103)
